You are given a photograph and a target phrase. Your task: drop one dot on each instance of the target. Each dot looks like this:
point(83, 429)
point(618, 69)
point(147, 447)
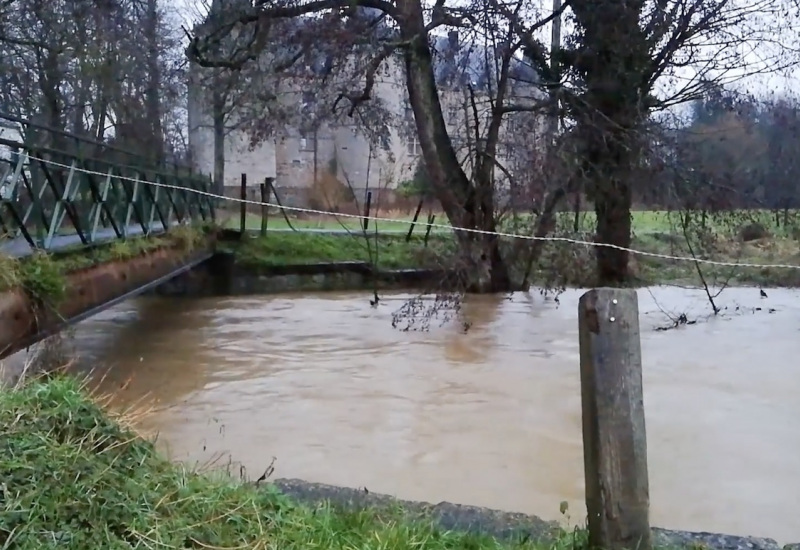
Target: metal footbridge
point(63, 194)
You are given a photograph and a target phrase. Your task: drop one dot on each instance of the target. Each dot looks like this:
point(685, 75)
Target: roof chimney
point(452, 40)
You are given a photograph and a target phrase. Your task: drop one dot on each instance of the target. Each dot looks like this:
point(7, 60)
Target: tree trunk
point(609, 152)
point(484, 268)
point(153, 91)
point(613, 210)
point(218, 116)
point(614, 61)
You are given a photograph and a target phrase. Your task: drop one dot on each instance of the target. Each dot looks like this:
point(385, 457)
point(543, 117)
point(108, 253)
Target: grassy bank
point(643, 221)
point(71, 477)
point(390, 251)
point(44, 275)
point(561, 262)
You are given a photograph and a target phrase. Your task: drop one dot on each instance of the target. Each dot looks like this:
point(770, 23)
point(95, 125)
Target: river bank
point(74, 477)
point(506, 525)
point(562, 263)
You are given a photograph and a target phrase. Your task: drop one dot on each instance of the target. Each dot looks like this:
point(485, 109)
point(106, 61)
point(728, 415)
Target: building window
point(452, 113)
point(413, 147)
point(306, 141)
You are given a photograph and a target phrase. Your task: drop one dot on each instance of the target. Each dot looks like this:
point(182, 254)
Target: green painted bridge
point(66, 197)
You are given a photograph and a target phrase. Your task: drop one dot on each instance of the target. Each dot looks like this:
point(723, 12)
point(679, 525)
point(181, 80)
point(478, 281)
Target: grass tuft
point(9, 272)
point(71, 476)
point(392, 251)
point(43, 276)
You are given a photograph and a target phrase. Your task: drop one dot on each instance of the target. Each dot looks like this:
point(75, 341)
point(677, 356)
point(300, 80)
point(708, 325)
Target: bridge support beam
point(25, 321)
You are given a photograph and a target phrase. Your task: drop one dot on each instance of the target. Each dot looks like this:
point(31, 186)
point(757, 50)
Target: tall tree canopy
point(619, 62)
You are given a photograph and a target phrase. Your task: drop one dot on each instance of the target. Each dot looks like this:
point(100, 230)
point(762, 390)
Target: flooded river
point(491, 417)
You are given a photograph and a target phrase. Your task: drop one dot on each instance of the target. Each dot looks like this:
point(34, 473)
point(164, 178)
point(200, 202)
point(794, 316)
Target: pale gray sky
point(769, 33)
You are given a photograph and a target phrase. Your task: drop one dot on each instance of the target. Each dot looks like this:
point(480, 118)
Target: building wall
point(257, 163)
point(10, 133)
point(300, 161)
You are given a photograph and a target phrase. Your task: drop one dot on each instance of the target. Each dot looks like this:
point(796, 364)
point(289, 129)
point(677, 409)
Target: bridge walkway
point(66, 194)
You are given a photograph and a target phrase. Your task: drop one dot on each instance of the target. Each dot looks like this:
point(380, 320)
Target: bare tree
point(93, 68)
point(359, 38)
point(625, 60)
point(619, 63)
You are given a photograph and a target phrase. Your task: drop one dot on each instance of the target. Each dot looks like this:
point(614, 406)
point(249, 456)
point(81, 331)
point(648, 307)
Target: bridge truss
point(59, 190)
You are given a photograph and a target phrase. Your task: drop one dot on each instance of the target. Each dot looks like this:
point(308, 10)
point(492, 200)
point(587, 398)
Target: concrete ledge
point(24, 320)
point(498, 523)
point(222, 276)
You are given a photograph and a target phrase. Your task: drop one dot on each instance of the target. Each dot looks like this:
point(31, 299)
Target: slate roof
point(456, 64)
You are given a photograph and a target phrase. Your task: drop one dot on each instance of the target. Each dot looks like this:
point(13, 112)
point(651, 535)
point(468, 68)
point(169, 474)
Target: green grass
point(71, 477)
point(277, 221)
point(43, 275)
point(392, 251)
point(643, 221)
point(561, 263)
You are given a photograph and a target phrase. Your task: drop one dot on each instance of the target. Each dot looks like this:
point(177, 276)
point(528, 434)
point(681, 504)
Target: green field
point(569, 263)
point(643, 221)
point(276, 221)
point(71, 477)
point(391, 251)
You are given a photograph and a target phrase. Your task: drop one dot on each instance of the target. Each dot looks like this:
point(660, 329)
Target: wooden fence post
point(243, 205)
point(614, 441)
point(264, 208)
point(366, 211)
point(431, 219)
point(414, 221)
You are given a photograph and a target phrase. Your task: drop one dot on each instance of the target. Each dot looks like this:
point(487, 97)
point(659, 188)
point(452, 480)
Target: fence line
point(362, 218)
point(613, 416)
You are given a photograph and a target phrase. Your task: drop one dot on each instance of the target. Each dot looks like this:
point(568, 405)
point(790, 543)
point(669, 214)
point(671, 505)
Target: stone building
point(308, 162)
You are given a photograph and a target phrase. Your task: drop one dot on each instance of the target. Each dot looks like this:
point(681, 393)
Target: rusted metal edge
point(194, 262)
point(24, 322)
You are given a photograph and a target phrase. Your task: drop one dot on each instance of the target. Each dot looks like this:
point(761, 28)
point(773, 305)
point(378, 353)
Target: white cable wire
point(436, 225)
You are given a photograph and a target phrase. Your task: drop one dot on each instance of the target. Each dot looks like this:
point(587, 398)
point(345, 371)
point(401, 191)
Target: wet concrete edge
point(497, 523)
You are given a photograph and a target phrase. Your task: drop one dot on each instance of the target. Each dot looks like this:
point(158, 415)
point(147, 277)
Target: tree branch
point(369, 84)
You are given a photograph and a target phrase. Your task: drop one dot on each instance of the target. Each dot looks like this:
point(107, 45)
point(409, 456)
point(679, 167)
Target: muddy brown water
point(490, 418)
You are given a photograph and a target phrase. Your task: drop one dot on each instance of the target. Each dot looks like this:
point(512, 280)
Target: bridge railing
point(60, 190)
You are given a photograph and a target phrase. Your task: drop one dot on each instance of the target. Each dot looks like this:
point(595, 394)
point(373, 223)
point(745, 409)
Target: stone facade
point(8, 157)
point(305, 163)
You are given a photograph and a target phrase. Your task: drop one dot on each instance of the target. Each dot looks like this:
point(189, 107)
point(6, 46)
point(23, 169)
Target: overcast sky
point(778, 29)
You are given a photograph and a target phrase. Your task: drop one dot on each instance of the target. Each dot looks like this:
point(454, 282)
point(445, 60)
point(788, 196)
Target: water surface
point(491, 417)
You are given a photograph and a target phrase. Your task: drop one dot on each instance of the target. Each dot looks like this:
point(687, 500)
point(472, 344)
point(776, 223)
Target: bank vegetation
point(749, 240)
point(73, 475)
point(43, 275)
